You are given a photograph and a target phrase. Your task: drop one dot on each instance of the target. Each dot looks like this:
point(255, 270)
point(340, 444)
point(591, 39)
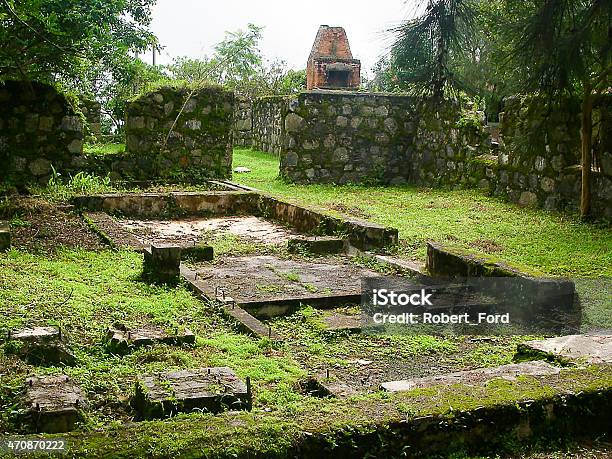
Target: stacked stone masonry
point(348, 137)
point(178, 134)
point(39, 130)
point(243, 123)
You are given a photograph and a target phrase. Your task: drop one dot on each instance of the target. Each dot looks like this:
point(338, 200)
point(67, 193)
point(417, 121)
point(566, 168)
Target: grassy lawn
point(551, 242)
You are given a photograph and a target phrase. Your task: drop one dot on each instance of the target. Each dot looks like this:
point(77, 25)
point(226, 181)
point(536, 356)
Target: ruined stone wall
point(268, 116)
point(199, 145)
point(39, 129)
point(243, 122)
point(346, 137)
point(539, 155)
point(92, 111)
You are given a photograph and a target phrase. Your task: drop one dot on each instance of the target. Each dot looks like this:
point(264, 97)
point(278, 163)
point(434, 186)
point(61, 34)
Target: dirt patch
point(486, 245)
point(40, 227)
point(350, 210)
point(188, 232)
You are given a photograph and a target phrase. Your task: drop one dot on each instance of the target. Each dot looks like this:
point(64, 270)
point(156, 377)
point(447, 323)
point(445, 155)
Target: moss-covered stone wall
point(347, 137)
point(243, 122)
point(197, 147)
point(39, 130)
point(539, 156)
point(268, 116)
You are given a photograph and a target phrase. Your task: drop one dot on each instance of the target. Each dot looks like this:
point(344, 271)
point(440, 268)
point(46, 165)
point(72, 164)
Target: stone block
point(319, 245)
point(210, 390)
point(594, 348)
point(54, 403)
point(39, 346)
point(5, 236)
point(162, 263)
point(121, 339)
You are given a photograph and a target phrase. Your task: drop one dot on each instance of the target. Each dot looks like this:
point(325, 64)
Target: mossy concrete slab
point(122, 339)
point(474, 377)
point(205, 389)
point(54, 403)
point(39, 346)
point(582, 348)
point(320, 245)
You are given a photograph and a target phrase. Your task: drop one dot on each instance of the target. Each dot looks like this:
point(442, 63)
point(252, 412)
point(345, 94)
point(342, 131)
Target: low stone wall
point(39, 129)
point(539, 157)
point(92, 111)
point(243, 122)
point(268, 120)
point(198, 146)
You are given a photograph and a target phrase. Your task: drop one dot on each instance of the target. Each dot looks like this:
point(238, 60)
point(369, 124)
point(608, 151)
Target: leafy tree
point(563, 47)
point(45, 39)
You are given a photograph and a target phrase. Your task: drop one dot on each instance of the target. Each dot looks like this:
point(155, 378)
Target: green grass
point(554, 243)
point(102, 149)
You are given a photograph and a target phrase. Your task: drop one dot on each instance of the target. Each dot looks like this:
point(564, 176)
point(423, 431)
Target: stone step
point(39, 346)
point(583, 348)
point(474, 377)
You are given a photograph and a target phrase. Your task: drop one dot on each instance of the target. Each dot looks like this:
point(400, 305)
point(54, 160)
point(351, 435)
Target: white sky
point(192, 27)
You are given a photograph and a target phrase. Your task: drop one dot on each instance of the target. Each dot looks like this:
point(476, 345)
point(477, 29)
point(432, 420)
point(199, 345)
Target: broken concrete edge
point(121, 340)
point(361, 234)
point(5, 236)
point(407, 267)
point(162, 395)
point(43, 346)
point(100, 223)
point(570, 349)
point(577, 401)
point(455, 261)
point(170, 204)
point(245, 321)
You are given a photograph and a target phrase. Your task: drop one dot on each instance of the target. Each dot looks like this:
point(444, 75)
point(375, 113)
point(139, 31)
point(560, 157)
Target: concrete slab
point(474, 377)
point(112, 232)
point(121, 340)
point(583, 348)
point(204, 389)
point(54, 403)
point(338, 320)
point(39, 346)
point(320, 245)
point(5, 236)
point(189, 231)
point(268, 286)
point(162, 263)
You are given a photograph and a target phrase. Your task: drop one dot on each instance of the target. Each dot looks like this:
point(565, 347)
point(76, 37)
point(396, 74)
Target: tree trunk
point(586, 134)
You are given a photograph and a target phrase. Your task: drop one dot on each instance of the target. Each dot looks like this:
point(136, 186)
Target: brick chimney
point(331, 64)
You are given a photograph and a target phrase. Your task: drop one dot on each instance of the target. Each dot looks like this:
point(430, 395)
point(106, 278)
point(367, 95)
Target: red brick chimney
point(331, 64)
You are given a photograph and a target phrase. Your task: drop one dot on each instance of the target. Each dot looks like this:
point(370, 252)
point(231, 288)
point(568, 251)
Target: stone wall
point(199, 146)
point(243, 122)
point(539, 157)
point(268, 120)
point(39, 129)
point(92, 111)
point(347, 137)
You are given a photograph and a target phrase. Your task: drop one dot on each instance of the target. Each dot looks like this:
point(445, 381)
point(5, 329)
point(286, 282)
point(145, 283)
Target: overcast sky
point(192, 27)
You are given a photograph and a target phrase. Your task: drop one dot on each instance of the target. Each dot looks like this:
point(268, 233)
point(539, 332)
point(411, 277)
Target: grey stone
point(593, 348)
point(474, 377)
point(71, 123)
point(341, 154)
point(159, 98)
point(342, 121)
point(528, 199)
point(381, 111)
point(40, 167)
point(293, 122)
point(194, 125)
point(122, 339)
point(291, 159)
point(162, 263)
point(136, 122)
point(45, 123)
point(540, 163)
point(547, 184)
point(390, 125)
point(76, 147)
point(190, 105)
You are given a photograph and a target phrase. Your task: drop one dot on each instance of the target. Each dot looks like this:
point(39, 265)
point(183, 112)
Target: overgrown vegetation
point(554, 243)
